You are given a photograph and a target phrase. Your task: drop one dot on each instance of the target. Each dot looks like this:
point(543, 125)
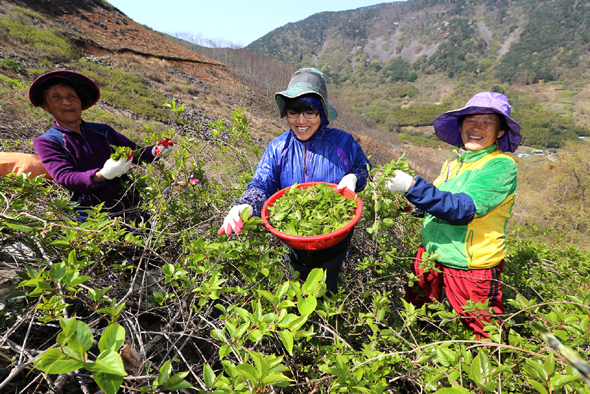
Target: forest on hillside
point(388, 56)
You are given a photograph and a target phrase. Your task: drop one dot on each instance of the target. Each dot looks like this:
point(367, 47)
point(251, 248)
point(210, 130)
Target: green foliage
point(551, 43)
point(74, 341)
point(247, 324)
point(421, 141)
point(397, 70)
point(412, 115)
point(10, 64)
point(122, 152)
point(47, 42)
point(311, 211)
point(353, 30)
point(13, 83)
point(542, 129)
point(451, 57)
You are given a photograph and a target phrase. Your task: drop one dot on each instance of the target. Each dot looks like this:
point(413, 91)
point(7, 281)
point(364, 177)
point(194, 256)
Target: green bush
point(243, 322)
point(10, 64)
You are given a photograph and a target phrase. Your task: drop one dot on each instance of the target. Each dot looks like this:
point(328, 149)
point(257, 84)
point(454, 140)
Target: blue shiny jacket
point(326, 157)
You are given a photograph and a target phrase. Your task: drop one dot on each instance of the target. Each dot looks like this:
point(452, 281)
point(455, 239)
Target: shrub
point(230, 312)
point(10, 64)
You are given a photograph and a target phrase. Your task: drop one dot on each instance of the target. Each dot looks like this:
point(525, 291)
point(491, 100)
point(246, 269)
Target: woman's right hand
point(401, 182)
point(233, 220)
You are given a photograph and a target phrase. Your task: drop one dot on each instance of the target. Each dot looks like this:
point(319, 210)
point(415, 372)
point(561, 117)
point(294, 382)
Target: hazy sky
point(230, 21)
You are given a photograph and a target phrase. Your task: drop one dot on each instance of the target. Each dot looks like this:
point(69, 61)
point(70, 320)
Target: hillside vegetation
point(168, 305)
point(419, 53)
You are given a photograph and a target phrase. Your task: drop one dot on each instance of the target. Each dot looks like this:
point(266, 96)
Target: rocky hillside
point(519, 41)
point(391, 62)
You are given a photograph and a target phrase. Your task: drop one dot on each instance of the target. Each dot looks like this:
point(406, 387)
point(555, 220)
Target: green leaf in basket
point(311, 211)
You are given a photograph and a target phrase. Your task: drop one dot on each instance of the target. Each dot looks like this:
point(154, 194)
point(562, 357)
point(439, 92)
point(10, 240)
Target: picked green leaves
point(121, 152)
point(312, 211)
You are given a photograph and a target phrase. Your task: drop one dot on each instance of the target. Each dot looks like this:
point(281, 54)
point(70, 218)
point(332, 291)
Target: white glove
point(163, 148)
point(348, 181)
point(233, 220)
point(115, 168)
point(401, 182)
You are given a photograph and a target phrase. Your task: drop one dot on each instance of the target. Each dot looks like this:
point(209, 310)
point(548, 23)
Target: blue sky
point(227, 21)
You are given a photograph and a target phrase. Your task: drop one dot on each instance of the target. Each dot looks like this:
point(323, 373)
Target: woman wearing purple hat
point(466, 208)
point(76, 153)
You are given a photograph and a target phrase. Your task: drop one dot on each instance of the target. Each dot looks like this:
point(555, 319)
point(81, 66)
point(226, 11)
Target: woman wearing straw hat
point(310, 151)
point(467, 208)
point(76, 153)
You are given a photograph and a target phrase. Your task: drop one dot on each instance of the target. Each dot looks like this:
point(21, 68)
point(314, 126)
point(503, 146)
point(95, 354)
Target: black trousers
point(330, 259)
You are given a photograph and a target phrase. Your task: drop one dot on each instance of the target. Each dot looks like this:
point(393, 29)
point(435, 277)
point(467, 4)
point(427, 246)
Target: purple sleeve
point(62, 170)
point(253, 197)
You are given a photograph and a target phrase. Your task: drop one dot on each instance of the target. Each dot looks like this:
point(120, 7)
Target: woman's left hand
point(348, 181)
point(163, 148)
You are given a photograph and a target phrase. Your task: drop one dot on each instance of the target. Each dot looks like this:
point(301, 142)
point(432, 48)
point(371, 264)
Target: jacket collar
point(64, 129)
point(468, 156)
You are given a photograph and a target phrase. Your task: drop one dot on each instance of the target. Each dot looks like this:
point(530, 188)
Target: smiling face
point(303, 127)
point(63, 103)
point(480, 131)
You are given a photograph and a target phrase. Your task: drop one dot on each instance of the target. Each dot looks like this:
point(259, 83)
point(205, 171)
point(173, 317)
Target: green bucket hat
point(306, 81)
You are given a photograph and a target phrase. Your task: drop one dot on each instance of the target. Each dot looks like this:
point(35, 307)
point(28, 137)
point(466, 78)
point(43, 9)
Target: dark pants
point(330, 259)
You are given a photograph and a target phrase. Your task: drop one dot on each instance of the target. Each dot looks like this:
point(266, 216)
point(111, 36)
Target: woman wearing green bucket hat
point(466, 209)
point(309, 151)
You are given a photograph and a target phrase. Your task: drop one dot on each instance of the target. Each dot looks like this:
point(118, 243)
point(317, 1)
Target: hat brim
point(447, 127)
point(87, 90)
point(280, 98)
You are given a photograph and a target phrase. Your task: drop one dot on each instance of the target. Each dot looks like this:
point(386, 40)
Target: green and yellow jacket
point(467, 208)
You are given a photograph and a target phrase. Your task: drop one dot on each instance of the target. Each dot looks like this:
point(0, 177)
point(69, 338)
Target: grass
point(564, 104)
point(125, 90)
point(566, 95)
point(21, 28)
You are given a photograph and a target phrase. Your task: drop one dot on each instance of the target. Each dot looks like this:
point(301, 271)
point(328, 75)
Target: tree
point(568, 192)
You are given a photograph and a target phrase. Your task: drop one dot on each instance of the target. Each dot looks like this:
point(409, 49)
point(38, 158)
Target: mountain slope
point(384, 58)
point(526, 40)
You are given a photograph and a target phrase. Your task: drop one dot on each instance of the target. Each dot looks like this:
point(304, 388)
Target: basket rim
point(314, 238)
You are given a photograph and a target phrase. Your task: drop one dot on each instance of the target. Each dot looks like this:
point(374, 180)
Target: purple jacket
point(72, 159)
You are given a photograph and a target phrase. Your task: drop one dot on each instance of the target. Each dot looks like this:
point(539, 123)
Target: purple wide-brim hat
point(87, 90)
point(447, 126)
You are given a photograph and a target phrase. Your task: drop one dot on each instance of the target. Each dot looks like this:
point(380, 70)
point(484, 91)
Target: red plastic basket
point(315, 242)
